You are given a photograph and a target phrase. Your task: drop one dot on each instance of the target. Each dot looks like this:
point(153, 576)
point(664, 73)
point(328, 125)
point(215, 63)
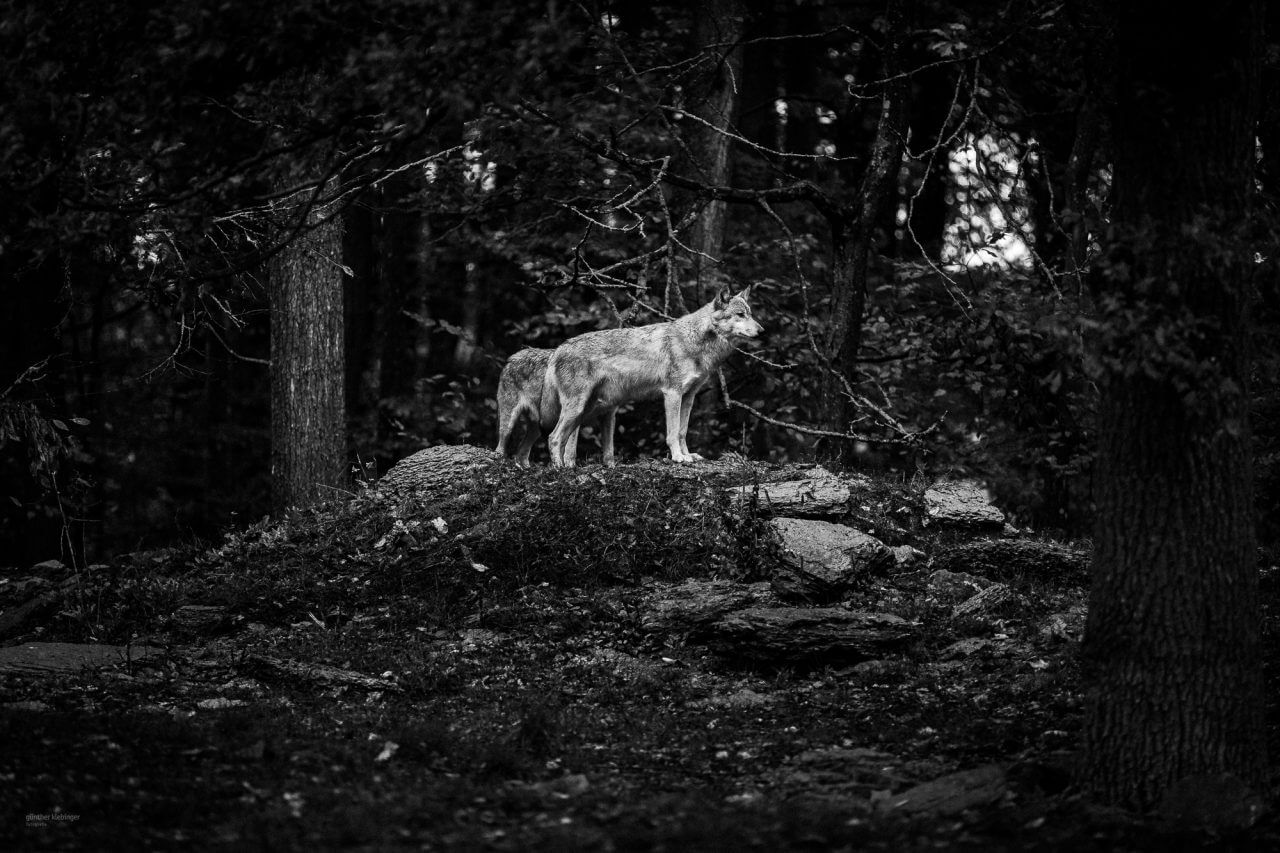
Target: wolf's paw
point(695, 457)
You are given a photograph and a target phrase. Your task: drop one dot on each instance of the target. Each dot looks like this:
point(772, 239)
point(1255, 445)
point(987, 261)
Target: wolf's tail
point(549, 408)
point(507, 398)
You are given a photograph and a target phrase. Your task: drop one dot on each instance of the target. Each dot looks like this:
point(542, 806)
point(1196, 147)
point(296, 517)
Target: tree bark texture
point(853, 227)
point(718, 28)
point(308, 411)
point(1172, 640)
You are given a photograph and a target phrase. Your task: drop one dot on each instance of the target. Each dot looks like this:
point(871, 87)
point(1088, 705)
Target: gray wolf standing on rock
point(521, 408)
point(597, 372)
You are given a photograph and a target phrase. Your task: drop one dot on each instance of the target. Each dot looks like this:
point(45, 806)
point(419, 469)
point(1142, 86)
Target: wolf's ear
point(745, 294)
point(722, 299)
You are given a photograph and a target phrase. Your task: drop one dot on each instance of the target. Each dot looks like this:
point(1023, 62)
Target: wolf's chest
point(624, 379)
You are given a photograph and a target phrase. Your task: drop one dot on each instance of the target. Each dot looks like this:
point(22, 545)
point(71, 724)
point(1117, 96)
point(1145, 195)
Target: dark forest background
point(252, 254)
point(917, 192)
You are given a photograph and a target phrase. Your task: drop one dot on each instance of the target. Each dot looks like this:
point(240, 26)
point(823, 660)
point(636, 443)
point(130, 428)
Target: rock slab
point(806, 635)
point(961, 503)
point(950, 794)
point(695, 604)
point(199, 620)
point(823, 494)
point(68, 657)
point(821, 560)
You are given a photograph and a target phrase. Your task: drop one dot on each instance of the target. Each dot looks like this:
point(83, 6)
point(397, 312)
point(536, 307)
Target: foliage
point(552, 189)
point(994, 361)
point(41, 464)
point(472, 553)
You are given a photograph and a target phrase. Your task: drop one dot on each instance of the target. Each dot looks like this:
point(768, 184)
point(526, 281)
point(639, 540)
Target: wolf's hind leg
point(507, 419)
point(527, 440)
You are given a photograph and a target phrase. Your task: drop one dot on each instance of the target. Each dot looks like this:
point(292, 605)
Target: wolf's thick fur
point(520, 402)
point(597, 372)
point(525, 411)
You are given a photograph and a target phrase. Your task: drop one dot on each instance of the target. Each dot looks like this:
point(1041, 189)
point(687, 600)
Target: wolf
point(595, 373)
point(525, 411)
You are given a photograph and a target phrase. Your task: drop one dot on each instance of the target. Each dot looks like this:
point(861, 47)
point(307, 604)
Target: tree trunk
point(308, 412)
point(718, 27)
point(1172, 641)
point(853, 229)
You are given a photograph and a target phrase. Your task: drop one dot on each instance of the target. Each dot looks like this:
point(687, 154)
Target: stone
point(69, 657)
point(199, 620)
point(965, 648)
point(17, 592)
point(315, 673)
point(870, 670)
point(29, 614)
point(800, 636)
point(995, 600)
point(437, 467)
point(695, 604)
point(954, 587)
point(743, 700)
point(821, 561)
point(961, 503)
point(907, 557)
point(951, 794)
point(822, 494)
point(52, 569)
point(1018, 560)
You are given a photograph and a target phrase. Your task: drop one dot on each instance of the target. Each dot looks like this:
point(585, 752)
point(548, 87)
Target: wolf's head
point(731, 315)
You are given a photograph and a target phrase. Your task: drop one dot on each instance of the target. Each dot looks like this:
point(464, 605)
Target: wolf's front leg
point(564, 438)
point(671, 399)
point(686, 408)
point(606, 436)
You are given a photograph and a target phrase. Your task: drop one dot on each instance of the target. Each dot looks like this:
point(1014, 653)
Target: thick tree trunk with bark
point(718, 27)
point(308, 411)
point(853, 228)
point(1172, 640)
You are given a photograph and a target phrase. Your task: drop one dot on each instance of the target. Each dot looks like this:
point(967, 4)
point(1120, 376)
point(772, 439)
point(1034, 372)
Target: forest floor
point(548, 714)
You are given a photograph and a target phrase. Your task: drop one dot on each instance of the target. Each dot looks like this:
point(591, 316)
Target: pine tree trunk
point(308, 411)
point(1172, 641)
point(853, 229)
point(718, 25)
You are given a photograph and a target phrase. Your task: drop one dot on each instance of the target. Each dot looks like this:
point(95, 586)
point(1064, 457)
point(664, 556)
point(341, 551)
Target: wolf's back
point(522, 377)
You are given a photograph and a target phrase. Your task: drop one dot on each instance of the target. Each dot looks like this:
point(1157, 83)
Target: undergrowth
point(442, 558)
